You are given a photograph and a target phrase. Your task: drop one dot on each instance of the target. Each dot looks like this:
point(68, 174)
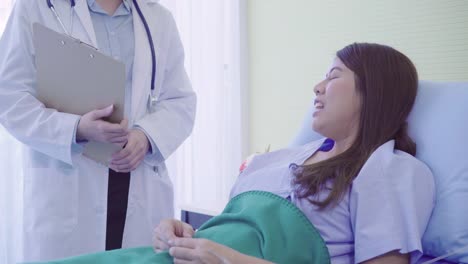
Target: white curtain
point(205, 167)
point(10, 197)
point(10, 178)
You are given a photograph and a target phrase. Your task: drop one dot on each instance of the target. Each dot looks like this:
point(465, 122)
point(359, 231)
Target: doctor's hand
point(168, 230)
point(128, 159)
point(91, 127)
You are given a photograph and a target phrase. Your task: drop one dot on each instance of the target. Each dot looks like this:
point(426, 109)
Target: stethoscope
point(152, 98)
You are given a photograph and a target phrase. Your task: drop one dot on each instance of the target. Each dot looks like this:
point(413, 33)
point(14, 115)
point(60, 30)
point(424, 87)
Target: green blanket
point(256, 223)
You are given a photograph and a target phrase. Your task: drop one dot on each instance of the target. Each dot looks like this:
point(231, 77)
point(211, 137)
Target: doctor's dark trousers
point(117, 200)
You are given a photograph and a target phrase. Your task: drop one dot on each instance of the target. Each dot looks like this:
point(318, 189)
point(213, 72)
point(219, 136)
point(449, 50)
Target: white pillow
point(439, 125)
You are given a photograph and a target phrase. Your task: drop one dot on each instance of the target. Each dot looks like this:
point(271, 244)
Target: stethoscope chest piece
point(152, 100)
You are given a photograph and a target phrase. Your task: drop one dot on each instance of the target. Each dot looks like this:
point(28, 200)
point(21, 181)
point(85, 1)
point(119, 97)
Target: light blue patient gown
point(387, 207)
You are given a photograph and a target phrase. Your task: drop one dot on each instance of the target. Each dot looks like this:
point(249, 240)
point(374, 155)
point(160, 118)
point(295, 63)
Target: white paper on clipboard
point(75, 78)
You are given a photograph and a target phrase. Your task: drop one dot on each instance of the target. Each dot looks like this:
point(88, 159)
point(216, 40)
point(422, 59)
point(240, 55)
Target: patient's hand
point(203, 251)
point(168, 230)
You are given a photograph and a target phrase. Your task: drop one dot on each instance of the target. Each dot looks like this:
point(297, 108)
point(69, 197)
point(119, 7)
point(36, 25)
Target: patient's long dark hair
point(387, 82)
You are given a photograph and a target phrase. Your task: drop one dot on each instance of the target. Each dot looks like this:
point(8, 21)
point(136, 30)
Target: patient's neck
point(341, 145)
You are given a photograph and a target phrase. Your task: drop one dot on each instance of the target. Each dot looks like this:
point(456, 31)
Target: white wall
point(293, 42)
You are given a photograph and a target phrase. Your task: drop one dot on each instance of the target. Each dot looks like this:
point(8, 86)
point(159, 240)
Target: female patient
point(362, 189)
point(359, 195)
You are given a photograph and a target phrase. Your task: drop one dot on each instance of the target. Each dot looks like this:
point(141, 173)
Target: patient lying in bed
point(358, 196)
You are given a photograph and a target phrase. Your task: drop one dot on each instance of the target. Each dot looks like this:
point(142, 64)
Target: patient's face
point(338, 104)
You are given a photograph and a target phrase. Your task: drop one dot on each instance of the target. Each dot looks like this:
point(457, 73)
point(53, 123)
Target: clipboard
point(74, 77)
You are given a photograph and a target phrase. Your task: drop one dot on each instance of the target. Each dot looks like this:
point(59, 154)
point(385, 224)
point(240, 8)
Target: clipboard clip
point(88, 45)
point(79, 42)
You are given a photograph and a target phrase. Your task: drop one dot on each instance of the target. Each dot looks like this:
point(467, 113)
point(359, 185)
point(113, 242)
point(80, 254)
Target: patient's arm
point(393, 257)
point(198, 250)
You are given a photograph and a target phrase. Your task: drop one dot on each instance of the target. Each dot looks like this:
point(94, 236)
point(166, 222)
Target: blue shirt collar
point(122, 10)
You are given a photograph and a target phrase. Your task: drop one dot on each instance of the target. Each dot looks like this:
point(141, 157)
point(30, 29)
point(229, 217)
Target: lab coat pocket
point(50, 200)
point(160, 193)
point(151, 193)
point(150, 200)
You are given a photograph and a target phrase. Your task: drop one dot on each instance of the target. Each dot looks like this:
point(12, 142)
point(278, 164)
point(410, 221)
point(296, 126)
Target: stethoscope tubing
point(150, 39)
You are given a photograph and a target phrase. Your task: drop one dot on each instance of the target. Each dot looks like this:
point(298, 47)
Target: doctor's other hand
point(91, 127)
point(168, 230)
point(128, 159)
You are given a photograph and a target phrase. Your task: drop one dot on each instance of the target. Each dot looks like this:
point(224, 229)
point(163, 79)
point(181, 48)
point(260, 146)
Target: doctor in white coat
point(64, 193)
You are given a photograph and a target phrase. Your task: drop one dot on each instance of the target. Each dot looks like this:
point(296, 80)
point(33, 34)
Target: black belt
point(117, 200)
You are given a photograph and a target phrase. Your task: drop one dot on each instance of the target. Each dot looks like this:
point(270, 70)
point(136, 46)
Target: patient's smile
point(318, 104)
point(318, 107)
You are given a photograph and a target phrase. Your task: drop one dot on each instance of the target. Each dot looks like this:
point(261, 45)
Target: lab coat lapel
point(82, 12)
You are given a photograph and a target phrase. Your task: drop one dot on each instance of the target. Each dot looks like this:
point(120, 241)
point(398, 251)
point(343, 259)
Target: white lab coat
point(65, 194)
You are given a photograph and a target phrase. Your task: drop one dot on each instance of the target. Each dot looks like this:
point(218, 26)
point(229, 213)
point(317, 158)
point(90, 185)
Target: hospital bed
point(439, 126)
